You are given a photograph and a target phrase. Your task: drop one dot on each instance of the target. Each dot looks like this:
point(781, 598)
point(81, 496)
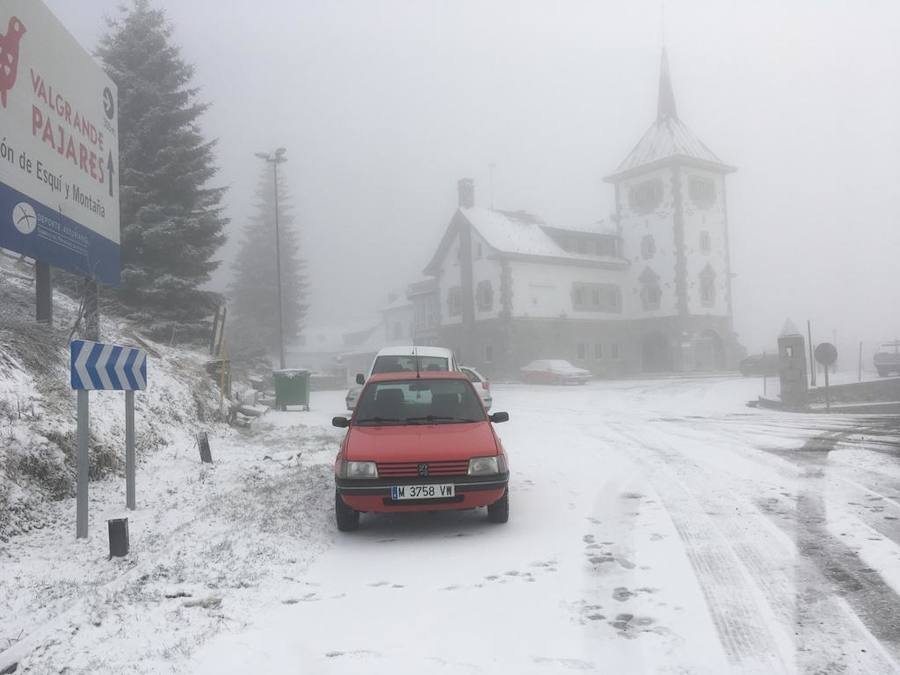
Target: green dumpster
point(291, 388)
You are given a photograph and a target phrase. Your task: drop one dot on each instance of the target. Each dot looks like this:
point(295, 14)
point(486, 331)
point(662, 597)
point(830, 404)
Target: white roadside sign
point(59, 149)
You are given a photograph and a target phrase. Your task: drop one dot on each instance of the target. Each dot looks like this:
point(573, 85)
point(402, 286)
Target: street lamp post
point(275, 159)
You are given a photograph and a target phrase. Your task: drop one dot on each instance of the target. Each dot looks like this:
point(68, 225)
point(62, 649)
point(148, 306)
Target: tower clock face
point(646, 196)
point(702, 192)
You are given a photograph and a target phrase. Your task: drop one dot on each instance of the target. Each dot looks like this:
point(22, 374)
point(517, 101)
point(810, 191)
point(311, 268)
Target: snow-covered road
point(656, 526)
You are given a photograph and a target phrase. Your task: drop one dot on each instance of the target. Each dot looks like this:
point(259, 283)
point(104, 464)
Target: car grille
point(451, 468)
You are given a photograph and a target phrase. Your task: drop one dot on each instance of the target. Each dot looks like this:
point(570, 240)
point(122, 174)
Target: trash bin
point(291, 388)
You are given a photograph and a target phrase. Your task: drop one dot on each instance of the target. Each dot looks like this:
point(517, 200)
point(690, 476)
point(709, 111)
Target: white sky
point(383, 105)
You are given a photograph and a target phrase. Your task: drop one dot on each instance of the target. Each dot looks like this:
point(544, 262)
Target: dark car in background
point(759, 365)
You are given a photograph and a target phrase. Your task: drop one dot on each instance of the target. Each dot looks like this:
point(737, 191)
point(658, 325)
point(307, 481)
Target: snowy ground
point(656, 526)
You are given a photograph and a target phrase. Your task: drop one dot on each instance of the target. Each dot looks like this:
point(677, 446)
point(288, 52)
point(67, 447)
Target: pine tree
point(253, 295)
point(172, 222)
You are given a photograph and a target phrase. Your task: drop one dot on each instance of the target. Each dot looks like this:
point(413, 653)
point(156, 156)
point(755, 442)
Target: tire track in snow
point(775, 571)
point(863, 591)
point(735, 611)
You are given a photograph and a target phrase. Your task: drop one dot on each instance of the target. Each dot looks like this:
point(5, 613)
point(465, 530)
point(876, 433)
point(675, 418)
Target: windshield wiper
point(377, 420)
point(438, 418)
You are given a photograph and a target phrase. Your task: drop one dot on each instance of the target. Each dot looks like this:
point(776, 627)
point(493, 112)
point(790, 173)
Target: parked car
point(887, 359)
point(760, 365)
point(554, 371)
point(481, 384)
point(419, 442)
point(403, 359)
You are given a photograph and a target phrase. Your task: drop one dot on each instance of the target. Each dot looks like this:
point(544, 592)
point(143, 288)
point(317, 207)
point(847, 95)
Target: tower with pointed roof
point(671, 210)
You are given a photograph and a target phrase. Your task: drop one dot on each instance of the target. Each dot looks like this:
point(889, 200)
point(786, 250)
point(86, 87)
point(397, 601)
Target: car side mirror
point(340, 422)
point(360, 378)
point(498, 417)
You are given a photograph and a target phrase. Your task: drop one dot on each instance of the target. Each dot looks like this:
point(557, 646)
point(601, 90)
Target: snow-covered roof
point(668, 138)
point(399, 303)
point(516, 233)
point(512, 232)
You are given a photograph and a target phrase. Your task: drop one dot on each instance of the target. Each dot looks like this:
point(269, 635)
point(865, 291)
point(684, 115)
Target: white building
point(649, 291)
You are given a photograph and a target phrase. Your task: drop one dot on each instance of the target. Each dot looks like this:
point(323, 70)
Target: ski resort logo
point(24, 217)
point(9, 56)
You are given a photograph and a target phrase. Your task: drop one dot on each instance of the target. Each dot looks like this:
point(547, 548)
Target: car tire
point(498, 512)
point(347, 519)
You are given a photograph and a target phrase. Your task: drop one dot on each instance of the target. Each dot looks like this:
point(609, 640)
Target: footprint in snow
point(622, 594)
point(379, 584)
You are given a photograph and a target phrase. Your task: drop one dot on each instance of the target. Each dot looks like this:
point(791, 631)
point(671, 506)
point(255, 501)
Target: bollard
point(205, 451)
point(118, 537)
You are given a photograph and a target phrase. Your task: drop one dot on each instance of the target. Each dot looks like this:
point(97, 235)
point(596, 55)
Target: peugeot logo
point(423, 469)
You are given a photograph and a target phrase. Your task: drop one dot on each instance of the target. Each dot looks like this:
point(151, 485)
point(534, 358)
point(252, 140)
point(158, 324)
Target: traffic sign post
point(826, 354)
point(104, 367)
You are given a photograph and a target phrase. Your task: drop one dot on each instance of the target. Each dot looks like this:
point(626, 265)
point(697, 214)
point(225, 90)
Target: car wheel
point(347, 519)
point(498, 512)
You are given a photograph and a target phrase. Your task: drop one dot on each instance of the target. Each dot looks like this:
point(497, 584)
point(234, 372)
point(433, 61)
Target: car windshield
point(422, 401)
point(407, 364)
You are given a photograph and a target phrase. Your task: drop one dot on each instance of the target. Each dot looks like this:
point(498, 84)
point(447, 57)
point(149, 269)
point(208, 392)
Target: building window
point(581, 350)
point(646, 196)
point(651, 293)
point(648, 247)
point(702, 192)
point(707, 287)
point(705, 243)
point(484, 296)
point(488, 353)
point(614, 349)
point(454, 301)
point(588, 297)
point(606, 246)
point(598, 351)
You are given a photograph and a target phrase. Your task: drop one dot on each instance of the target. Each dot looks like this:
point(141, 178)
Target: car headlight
point(358, 470)
point(483, 466)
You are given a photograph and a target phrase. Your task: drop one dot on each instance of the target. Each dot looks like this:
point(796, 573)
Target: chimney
point(466, 189)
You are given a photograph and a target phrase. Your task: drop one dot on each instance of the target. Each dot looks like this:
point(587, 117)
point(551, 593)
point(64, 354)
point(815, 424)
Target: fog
point(382, 106)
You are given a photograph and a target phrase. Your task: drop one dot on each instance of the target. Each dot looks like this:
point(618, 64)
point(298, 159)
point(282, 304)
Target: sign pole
point(812, 363)
point(827, 393)
point(129, 450)
point(81, 508)
point(43, 288)
point(860, 361)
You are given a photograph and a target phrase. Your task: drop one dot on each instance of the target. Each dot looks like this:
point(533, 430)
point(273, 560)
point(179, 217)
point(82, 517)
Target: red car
point(419, 442)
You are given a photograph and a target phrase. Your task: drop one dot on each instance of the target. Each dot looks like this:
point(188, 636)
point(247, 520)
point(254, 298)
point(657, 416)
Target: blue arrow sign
point(96, 365)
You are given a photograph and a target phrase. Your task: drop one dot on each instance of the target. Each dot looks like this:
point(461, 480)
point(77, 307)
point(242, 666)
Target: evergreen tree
point(253, 295)
point(172, 222)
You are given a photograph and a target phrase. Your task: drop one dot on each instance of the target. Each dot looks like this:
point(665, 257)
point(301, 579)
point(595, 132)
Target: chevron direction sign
point(96, 365)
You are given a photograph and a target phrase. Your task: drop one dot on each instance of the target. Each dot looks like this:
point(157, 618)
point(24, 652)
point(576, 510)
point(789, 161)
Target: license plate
point(401, 492)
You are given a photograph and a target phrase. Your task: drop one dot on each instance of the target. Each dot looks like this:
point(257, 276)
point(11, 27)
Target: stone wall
point(886, 389)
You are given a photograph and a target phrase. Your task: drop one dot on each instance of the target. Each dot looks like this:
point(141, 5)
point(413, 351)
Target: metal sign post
point(826, 354)
point(106, 367)
point(129, 450)
point(81, 500)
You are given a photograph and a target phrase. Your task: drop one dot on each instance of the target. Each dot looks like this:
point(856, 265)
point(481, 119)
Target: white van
point(407, 359)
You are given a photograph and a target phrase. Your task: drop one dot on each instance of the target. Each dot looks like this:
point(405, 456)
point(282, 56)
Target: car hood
point(420, 442)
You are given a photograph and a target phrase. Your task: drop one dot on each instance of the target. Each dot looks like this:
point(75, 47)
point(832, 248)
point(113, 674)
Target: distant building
point(649, 291)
